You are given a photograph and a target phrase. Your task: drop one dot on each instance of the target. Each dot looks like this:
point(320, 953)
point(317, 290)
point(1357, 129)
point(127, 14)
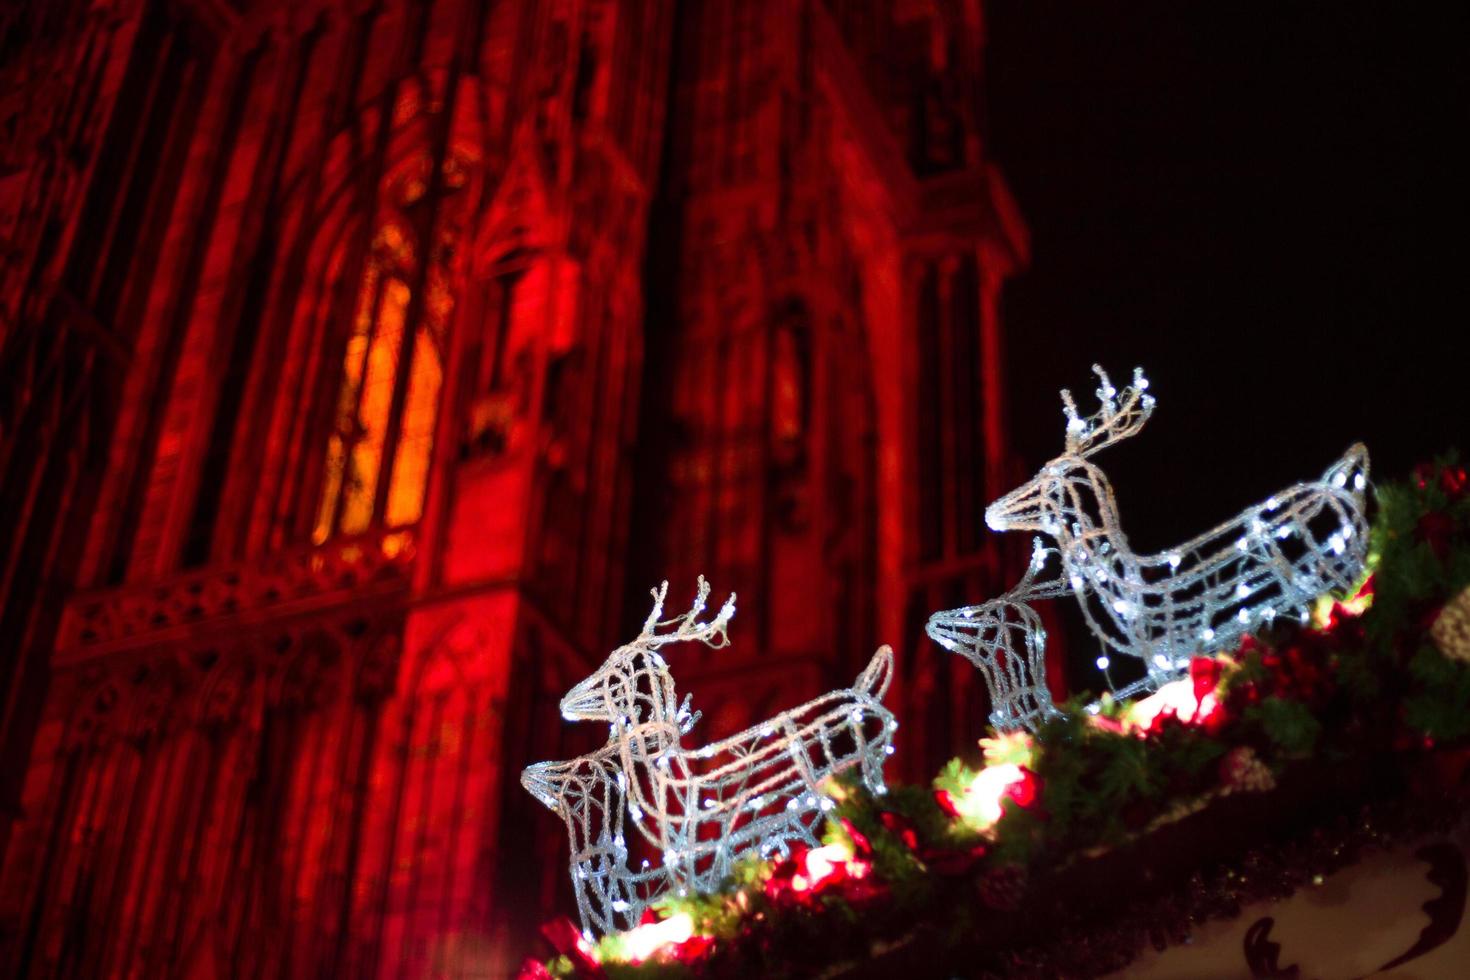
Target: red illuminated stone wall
point(364, 363)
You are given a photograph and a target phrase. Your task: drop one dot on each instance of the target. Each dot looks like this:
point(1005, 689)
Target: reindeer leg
point(870, 762)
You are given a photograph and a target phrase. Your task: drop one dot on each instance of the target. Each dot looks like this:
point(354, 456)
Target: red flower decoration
point(533, 970)
point(1205, 672)
point(811, 871)
point(1027, 791)
point(1369, 586)
point(946, 802)
point(861, 846)
point(778, 886)
point(568, 940)
point(901, 826)
point(693, 949)
point(1453, 482)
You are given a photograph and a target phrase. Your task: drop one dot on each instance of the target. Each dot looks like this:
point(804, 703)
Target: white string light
point(1200, 597)
point(589, 794)
point(1004, 638)
point(702, 808)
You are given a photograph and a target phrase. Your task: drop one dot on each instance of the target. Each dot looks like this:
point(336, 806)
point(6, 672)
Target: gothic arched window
point(377, 461)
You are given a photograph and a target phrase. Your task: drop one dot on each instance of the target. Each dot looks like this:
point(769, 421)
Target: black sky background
point(1262, 205)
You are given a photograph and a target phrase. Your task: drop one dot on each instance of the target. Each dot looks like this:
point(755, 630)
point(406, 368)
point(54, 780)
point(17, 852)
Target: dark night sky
point(1259, 203)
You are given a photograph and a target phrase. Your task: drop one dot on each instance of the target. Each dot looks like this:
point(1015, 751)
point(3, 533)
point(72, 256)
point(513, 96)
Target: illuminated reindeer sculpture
point(1273, 559)
point(589, 795)
point(702, 808)
point(1004, 638)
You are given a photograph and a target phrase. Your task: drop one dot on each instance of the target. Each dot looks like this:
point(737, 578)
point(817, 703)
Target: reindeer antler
point(1114, 421)
point(687, 627)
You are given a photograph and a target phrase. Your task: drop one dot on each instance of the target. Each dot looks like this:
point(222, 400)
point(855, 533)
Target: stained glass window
point(388, 365)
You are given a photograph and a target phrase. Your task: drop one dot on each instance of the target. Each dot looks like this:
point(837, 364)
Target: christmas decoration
point(1272, 560)
point(702, 808)
point(1242, 771)
point(1004, 638)
point(588, 794)
point(1451, 630)
point(1269, 766)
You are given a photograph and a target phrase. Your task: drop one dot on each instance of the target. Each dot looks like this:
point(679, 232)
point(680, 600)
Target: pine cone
point(1002, 888)
point(1451, 630)
point(1242, 771)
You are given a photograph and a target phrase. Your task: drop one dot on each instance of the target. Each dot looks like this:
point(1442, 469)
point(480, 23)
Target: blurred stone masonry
point(365, 362)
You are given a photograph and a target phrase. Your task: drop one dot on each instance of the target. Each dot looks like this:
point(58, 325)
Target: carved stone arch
point(445, 661)
point(376, 666)
point(230, 693)
point(157, 687)
point(99, 703)
point(312, 676)
point(521, 216)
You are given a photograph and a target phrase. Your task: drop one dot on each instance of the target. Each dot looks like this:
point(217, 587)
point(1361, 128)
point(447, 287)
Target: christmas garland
point(1365, 711)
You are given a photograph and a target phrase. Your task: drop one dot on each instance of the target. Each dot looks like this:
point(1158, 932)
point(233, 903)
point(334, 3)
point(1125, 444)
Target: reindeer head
point(633, 684)
point(1035, 505)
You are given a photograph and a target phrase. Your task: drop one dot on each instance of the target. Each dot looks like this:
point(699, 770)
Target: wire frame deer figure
point(1271, 560)
point(1005, 640)
point(589, 794)
point(703, 808)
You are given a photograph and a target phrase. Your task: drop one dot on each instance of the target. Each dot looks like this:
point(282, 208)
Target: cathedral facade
point(362, 365)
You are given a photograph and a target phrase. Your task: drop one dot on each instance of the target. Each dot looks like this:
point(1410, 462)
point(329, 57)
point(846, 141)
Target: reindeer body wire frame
point(1272, 560)
point(702, 808)
point(590, 796)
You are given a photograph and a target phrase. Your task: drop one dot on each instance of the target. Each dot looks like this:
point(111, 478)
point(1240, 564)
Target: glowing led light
point(1166, 601)
point(982, 802)
point(1103, 663)
point(1005, 640)
point(1176, 698)
point(760, 792)
point(641, 942)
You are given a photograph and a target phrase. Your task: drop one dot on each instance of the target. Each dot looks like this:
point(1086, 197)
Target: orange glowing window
point(377, 460)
